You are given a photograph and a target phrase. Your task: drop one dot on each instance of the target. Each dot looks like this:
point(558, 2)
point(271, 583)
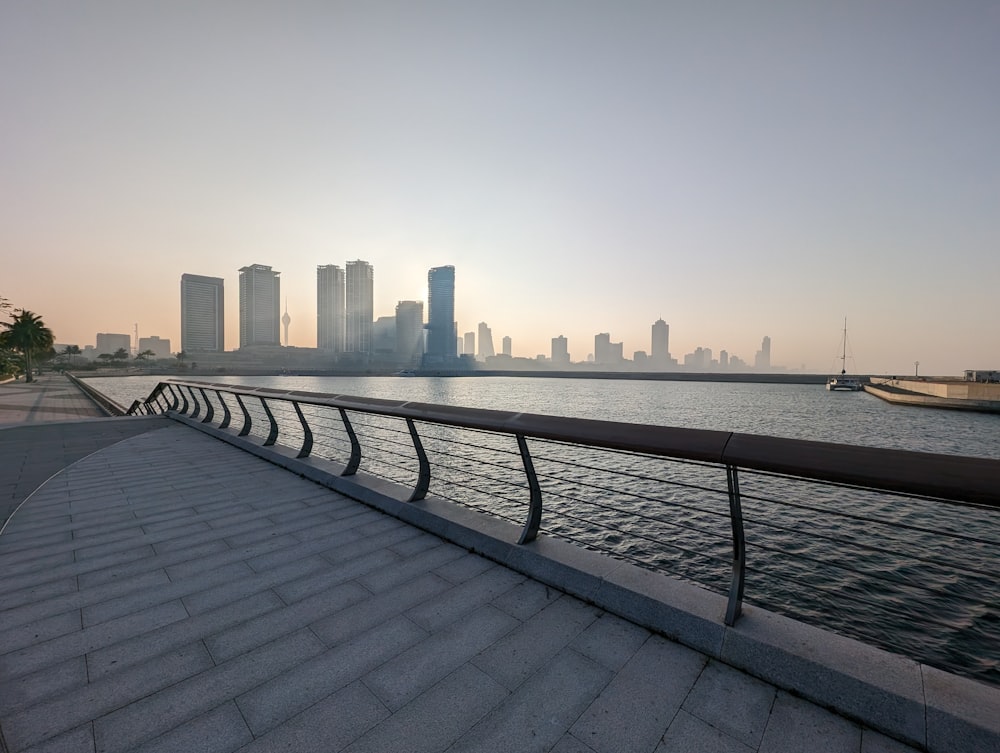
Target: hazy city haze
point(737, 169)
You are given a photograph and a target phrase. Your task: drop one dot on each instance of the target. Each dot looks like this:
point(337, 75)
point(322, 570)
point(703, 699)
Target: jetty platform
point(166, 591)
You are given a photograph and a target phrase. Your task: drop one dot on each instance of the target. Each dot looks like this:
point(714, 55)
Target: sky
point(738, 169)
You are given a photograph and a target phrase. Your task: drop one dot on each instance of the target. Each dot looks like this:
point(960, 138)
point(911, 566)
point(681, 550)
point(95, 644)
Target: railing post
point(183, 399)
point(272, 435)
point(173, 394)
point(534, 521)
point(246, 417)
point(209, 411)
point(194, 399)
point(226, 415)
point(307, 435)
point(424, 472)
point(355, 460)
point(735, 605)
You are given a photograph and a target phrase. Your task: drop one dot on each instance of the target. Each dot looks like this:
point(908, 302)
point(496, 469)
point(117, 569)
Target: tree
point(120, 356)
point(27, 335)
point(180, 359)
point(144, 355)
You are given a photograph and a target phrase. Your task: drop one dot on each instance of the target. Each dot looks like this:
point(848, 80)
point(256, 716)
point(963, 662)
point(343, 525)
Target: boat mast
point(843, 357)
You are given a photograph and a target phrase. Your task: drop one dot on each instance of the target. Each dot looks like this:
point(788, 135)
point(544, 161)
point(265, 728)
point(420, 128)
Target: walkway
point(171, 592)
point(46, 425)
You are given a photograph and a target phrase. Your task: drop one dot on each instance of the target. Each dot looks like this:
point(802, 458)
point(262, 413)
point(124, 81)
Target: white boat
point(843, 382)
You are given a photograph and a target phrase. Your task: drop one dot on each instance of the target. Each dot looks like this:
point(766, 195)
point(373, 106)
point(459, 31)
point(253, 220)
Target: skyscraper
point(330, 308)
point(260, 306)
point(410, 332)
point(441, 328)
point(507, 345)
point(360, 306)
point(469, 347)
point(763, 358)
point(485, 341)
point(660, 351)
point(560, 350)
point(202, 313)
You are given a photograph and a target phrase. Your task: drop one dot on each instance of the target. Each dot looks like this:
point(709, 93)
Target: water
point(918, 582)
point(782, 410)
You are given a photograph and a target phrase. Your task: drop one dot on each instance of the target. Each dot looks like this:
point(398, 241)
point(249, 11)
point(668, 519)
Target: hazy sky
point(739, 169)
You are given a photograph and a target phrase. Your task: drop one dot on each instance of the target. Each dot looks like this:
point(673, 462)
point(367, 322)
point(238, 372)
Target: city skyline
point(735, 169)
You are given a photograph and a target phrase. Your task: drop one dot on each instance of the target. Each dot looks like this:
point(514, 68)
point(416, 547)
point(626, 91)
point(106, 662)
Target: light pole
point(916, 368)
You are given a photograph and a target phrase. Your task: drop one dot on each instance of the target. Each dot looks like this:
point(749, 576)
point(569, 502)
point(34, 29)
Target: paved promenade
point(173, 593)
point(46, 425)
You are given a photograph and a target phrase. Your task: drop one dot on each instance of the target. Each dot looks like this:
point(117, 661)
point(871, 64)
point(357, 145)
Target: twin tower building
point(345, 318)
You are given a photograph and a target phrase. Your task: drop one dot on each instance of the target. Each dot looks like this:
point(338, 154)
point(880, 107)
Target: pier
point(165, 590)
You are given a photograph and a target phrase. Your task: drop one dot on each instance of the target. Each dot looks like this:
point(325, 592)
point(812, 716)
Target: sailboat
point(842, 381)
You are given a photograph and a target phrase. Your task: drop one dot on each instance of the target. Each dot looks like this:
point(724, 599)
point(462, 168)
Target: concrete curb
point(909, 701)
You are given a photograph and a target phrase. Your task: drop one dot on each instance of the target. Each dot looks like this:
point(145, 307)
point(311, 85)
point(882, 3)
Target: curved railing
point(824, 521)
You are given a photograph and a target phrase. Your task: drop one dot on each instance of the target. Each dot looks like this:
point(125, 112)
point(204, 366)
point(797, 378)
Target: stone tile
point(426, 561)
point(569, 744)
point(515, 657)
point(324, 576)
point(233, 589)
point(79, 740)
point(130, 570)
point(28, 690)
point(404, 677)
point(329, 725)
point(637, 706)
point(81, 642)
point(689, 734)
point(136, 649)
point(732, 701)
point(221, 729)
point(540, 711)
point(150, 597)
point(465, 567)
point(377, 609)
point(433, 720)
point(39, 631)
point(281, 698)
point(160, 712)
point(876, 742)
point(527, 599)
point(458, 601)
point(64, 712)
point(255, 632)
point(795, 725)
point(610, 640)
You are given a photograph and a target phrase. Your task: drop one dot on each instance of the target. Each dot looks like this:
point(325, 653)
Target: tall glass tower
point(360, 287)
point(260, 306)
point(330, 308)
point(202, 313)
point(441, 342)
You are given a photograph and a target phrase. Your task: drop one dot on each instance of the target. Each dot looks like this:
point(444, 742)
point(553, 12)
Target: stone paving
point(173, 593)
point(37, 440)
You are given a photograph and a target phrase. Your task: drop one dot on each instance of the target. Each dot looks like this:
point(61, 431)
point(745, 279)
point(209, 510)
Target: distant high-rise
point(330, 308)
point(602, 348)
point(763, 358)
point(507, 343)
point(469, 347)
point(560, 349)
point(285, 321)
point(360, 306)
point(202, 314)
point(109, 343)
point(410, 331)
point(260, 306)
point(159, 346)
point(441, 328)
point(485, 341)
point(660, 352)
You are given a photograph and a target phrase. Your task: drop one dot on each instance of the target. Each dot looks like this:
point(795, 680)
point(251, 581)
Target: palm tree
point(144, 355)
point(28, 335)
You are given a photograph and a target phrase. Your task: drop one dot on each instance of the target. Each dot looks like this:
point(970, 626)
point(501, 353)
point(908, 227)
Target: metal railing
point(894, 539)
